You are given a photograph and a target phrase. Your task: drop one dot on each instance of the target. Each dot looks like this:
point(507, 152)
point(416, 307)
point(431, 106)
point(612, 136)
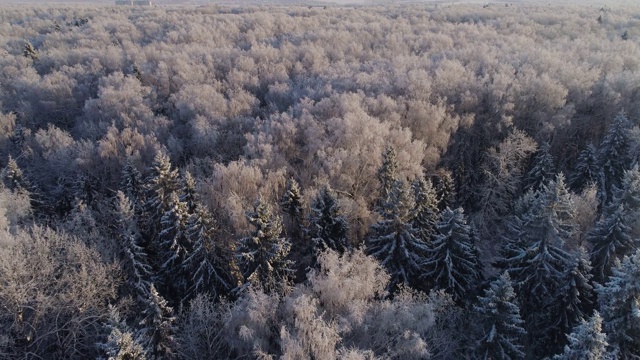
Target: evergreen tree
point(451, 261)
point(613, 157)
point(29, 51)
point(292, 205)
point(629, 196)
point(121, 343)
point(572, 302)
point(586, 171)
point(263, 254)
point(445, 188)
point(387, 175)
point(328, 229)
point(619, 302)
point(394, 241)
point(188, 193)
point(157, 327)
point(206, 263)
point(162, 184)
point(13, 177)
point(611, 241)
point(173, 248)
point(425, 214)
point(587, 342)
point(133, 257)
point(131, 182)
point(500, 319)
point(542, 168)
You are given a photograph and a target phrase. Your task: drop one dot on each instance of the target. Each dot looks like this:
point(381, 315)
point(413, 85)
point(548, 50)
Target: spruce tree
point(451, 261)
point(425, 215)
point(29, 51)
point(263, 254)
point(611, 241)
point(587, 342)
point(387, 175)
point(162, 184)
point(157, 328)
point(619, 302)
point(206, 264)
point(445, 188)
point(328, 228)
point(542, 168)
point(500, 319)
point(613, 157)
point(121, 342)
point(292, 205)
point(13, 177)
point(188, 193)
point(629, 196)
point(394, 241)
point(131, 182)
point(172, 248)
point(586, 171)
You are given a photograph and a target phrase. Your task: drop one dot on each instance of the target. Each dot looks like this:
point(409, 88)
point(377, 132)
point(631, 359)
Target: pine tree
point(328, 229)
point(206, 263)
point(121, 343)
point(613, 157)
point(500, 319)
point(587, 342)
point(394, 241)
point(611, 241)
point(425, 214)
point(292, 205)
point(619, 302)
point(263, 255)
point(133, 257)
point(157, 327)
point(542, 168)
point(451, 261)
point(586, 171)
point(387, 175)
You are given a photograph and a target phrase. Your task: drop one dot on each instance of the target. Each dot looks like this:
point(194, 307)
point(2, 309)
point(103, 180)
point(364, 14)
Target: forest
point(429, 181)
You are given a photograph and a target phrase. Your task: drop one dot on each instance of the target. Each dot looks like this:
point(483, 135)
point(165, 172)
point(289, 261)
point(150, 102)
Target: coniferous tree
point(445, 188)
point(206, 263)
point(162, 187)
point(629, 196)
point(619, 302)
point(425, 214)
point(451, 261)
point(572, 302)
point(542, 168)
point(328, 228)
point(133, 257)
point(586, 171)
point(157, 328)
point(613, 157)
point(387, 175)
point(501, 323)
point(13, 177)
point(587, 342)
point(188, 193)
point(395, 242)
point(611, 241)
point(173, 248)
point(292, 205)
point(29, 51)
point(131, 182)
point(121, 342)
point(263, 254)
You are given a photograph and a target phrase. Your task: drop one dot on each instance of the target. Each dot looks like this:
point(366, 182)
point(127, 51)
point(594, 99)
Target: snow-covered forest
point(387, 182)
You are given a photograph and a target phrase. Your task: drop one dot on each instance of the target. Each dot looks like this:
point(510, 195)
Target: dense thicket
point(224, 182)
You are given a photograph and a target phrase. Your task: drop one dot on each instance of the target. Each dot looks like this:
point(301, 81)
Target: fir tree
point(445, 188)
point(587, 342)
point(394, 241)
point(188, 193)
point(586, 171)
point(121, 343)
point(157, 327)
point(425, 215)
point(387, 175)
point(173, 247)
point(131, 182)
point(629, 197)
point(13, 177)
point(500, 319)
point(619, 302)
point(328, 229)
point(263, 255)
point(292, 205)
point(542, 168)
point(613, 157)
point(206, 263)
point(451, 261)
point(163, 183)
